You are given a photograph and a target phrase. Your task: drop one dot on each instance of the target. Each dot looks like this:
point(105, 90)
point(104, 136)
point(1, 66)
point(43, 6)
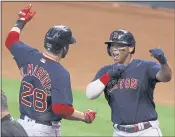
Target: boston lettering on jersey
point(40, 73)
point(127, 83)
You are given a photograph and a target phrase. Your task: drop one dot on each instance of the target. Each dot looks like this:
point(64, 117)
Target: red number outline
point(34, 92)
point(26, 94)
point(41, 100)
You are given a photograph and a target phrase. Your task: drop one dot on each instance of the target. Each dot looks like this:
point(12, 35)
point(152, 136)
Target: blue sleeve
point(61, 91)
point(22, 53)
point(101, 72)
point(153, 69)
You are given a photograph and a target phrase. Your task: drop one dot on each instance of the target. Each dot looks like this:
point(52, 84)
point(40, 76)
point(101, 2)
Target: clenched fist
point(89, 116)
point(116, 70)
point(159, 55)
point(24, 16)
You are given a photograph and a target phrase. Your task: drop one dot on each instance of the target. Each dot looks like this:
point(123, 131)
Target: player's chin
point(117, 60)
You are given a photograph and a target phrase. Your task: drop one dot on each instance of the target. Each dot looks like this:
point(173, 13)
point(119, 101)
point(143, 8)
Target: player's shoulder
point(102, 71)
point(104, 68)
point(60, 70)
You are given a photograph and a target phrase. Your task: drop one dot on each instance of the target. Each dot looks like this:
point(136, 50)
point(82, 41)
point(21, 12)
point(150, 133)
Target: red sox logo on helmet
point(115, 35)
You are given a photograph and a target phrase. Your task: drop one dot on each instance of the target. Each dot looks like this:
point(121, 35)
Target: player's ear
point(66, 47)
point(131, 49)
point(60, 52)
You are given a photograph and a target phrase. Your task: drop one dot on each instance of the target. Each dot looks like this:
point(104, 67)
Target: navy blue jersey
point(44, 82)
point(131, 96)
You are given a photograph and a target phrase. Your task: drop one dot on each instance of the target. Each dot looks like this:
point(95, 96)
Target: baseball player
point(9, 126)
point(129, 84)
point(45, 93)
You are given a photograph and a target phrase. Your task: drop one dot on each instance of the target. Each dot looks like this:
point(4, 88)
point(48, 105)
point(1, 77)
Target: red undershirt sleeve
point(105, 78)
point(62, 109)
point(12, 38)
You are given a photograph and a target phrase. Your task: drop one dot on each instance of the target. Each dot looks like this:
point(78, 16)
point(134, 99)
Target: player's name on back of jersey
point(39, 72)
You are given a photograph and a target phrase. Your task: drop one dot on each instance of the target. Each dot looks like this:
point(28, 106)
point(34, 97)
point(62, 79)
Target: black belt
point(133, 128)
point(47, 123)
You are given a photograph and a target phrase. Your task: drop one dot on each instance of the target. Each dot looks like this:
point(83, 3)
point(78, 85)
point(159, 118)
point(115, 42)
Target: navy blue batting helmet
point(57, 38)
point(122, 38)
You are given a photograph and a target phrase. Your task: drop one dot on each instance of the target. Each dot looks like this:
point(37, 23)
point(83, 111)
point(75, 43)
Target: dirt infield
point(91, 24)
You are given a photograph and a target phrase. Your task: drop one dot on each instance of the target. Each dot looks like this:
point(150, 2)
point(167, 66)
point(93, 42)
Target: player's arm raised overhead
point(103, 76)
point(18, 49)
point(24, 16)
point(62, 102)
point(164, 73)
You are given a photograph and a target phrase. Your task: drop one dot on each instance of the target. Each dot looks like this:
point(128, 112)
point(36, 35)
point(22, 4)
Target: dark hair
point(4, 105)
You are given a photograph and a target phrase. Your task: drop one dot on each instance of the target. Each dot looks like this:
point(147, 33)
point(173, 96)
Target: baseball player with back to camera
point(45, 93)
point(129, 84)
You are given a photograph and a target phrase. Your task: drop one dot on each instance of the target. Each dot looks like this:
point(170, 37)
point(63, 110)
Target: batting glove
point(116, 70)
point(89, 116)
point(159, 55)
point(24, 16)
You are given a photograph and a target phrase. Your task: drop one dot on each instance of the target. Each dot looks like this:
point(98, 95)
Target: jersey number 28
point(34, 92)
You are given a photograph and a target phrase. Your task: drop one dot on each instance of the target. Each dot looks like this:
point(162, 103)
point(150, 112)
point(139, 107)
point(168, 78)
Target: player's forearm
point(14, 33)
point(95, 88)
point(68, 112)
point(77, 116)
point(165, 73)
point(19, 25)
point(16, 29)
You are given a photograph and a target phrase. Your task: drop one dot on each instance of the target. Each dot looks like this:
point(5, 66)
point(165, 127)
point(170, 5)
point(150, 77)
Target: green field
point(102, 126)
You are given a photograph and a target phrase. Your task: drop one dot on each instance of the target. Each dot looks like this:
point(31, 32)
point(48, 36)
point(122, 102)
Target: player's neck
point(128, 59)
point(51, 56)
point(3, 114)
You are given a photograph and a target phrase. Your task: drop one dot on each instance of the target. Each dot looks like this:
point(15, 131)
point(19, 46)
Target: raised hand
point(25, 13)
point(158, 54)
point(24, 16)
